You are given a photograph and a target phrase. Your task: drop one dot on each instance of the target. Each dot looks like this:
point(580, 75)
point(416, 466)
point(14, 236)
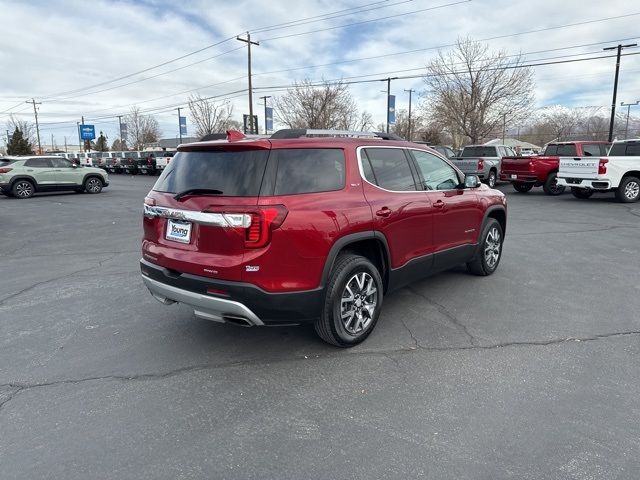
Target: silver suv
point(21, 177)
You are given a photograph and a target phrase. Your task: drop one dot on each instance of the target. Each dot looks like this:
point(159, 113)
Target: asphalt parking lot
point(530, 373)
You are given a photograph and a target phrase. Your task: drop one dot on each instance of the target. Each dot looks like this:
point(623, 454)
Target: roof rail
point(306, 132)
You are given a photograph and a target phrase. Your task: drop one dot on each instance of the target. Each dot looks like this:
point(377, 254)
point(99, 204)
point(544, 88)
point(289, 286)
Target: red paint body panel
point(296, 255)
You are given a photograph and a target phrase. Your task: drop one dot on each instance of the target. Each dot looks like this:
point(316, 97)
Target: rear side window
point(5, 162)
point(567, 150)
point(234, 173)
point(625, 149)
point(307, 170)
point(389, 167)
point(38, 163)
point(591, 150)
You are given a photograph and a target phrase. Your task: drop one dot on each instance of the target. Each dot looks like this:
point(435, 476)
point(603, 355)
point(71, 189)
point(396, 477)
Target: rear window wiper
point(200, 191)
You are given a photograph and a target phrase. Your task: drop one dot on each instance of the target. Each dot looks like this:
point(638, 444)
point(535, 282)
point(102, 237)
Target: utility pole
point(266, 132)
point(120, 131)
point(179, 126)
point(628, 105)
point(52, 142)
point(619, 47)
point(79, 136)
point(35, 112)
point(249, 43)
point(388, 80)
point(504, 126)
point(65, 144)
point(411, 90)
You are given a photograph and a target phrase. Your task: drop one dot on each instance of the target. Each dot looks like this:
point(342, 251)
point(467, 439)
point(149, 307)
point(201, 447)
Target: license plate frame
point(178, 231)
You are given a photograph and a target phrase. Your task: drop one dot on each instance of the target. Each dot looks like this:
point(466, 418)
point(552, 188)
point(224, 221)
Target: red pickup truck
point(528, 172)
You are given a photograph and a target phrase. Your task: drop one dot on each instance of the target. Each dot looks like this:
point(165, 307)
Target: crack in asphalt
point(44, 282)
point(564, 232)
point(444, 311)
point(22, 387)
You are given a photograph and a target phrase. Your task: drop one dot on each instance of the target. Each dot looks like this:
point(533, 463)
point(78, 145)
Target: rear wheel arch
point(24, 177)
point(371, 245)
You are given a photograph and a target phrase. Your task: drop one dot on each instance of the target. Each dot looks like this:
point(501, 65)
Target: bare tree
point(210, 117)
point(27, 128)
point(141, 129)
point(401, 127)
point(306, 105)
point(476, 90)
point(363, 123)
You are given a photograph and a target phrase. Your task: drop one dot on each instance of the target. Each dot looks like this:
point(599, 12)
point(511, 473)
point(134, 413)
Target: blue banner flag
point(269, 118)
point(391, 114)
point(183, 125)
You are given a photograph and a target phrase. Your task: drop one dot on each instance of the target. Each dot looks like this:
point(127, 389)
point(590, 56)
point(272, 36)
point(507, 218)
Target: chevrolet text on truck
point(542, 171)
point(618, 172)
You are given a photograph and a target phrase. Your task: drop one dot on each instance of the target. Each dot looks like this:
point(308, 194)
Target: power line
point(367, 21)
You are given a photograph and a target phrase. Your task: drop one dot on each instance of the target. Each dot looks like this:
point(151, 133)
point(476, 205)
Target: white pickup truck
point(618, 172)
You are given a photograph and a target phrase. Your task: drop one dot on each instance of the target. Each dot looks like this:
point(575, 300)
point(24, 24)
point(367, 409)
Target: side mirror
point(471, 181)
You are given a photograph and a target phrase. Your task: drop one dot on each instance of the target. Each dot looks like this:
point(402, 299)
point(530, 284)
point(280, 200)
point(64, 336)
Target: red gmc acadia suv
point(311, 226)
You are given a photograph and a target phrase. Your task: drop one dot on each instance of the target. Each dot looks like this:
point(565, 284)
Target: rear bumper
point(519, 177)
point(235, 302)
point(597, 184)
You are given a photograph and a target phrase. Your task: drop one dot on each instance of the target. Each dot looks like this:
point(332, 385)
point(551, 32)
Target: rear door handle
point(384, 212)
point(439, 204)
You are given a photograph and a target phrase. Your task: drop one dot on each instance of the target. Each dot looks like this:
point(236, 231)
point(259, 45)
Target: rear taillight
point(263, 221)
point(148, 161)
point(481, 164)
point(5, 170)
point(602, 166)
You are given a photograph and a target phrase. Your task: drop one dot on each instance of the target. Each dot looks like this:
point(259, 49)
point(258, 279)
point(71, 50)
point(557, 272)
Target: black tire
point(492, 179)
point(522, 187)
point(551, 186)
point(582, 193)
point(23, 189)
point(629, 190)
point(93, 185)
point(489, 252)
point(330, 326)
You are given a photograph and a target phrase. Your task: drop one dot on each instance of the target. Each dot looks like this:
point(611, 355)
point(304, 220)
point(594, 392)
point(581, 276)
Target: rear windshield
point(479, 151)
point(234, 173)
point(625, 149)
point(564, 150)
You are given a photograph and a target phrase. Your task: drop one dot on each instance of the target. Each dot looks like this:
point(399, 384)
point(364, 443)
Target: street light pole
point(411, 90)
point(628, 105)
point(619, 47)
point(266, 132)
point(249, 43)
point(35, 112)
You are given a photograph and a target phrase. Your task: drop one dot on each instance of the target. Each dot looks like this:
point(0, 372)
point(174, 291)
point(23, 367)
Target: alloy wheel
point(93, 185)
point(492, 248)
point(358, 303)
point(632, 190)
point(24, 189)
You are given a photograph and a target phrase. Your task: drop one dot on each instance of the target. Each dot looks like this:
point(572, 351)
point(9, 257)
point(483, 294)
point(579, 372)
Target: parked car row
point(129, 162)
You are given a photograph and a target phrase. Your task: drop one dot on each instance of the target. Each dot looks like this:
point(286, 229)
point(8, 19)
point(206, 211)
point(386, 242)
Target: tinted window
point(5, 162)
point(234, 173)
point(479, 151)
point(60, 163)
point(625, 149)
point(437, 174)
point(591, 150)
point(38, 163)
point(562, 150)
point(390, 169)
point(308, 170)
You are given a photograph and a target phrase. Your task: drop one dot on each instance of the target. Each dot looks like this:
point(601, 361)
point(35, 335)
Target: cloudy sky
point(100, 58)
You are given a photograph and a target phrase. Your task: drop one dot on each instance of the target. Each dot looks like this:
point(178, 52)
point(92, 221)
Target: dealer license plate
point(513, 177)
point(178, 231)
